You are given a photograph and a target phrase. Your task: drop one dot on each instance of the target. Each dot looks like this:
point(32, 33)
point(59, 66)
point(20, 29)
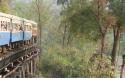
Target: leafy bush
point(74, 62)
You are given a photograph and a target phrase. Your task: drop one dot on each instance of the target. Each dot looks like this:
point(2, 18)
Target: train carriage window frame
point(16, 27)
point(3, 26)
point(21, 27)
point(0, 26)
point(27, 28)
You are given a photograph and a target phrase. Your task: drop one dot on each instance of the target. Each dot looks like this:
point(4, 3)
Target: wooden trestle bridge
point(20, 63)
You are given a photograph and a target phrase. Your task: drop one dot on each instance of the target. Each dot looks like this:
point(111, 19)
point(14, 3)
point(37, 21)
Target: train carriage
point(17, 29)
point(4, 30)
point(27, 30)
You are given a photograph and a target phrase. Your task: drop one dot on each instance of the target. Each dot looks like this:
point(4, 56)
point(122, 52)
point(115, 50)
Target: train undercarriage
point(16, 45)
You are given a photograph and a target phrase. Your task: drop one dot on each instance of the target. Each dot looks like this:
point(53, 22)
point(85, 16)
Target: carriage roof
point(29, 21)
point(7, 17)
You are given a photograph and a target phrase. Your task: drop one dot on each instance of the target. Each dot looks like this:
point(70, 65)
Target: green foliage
point(21, 9)
point(4, 6)
point(80, 18)
point(84, 21)
point(61, 2)
point(118, 9)
point(29, 10)
point(74, 62)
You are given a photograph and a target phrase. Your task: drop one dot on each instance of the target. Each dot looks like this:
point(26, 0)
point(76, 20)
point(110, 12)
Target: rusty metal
point(12, 62)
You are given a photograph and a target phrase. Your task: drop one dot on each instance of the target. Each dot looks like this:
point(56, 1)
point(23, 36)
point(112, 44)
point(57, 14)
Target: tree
point(102, 16)
point(78, 19)
point(64, 22)
point(39, 21)
point(117, 9)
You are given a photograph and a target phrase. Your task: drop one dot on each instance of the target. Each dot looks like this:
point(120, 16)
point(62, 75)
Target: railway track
point(14, 59)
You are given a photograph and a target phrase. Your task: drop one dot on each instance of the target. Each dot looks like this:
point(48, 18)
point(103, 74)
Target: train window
point(21, 28)
point(3, 26)
point(0, 25)
point(17, 27)
point(30, 28)
point(26, 27)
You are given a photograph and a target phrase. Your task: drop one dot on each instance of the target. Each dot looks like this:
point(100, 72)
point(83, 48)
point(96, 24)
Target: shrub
point(74, 62)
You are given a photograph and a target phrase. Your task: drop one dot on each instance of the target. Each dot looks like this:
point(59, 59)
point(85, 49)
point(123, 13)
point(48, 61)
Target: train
point(16, 32)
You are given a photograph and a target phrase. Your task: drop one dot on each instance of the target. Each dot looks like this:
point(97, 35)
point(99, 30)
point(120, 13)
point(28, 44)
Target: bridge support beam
point(27, 70)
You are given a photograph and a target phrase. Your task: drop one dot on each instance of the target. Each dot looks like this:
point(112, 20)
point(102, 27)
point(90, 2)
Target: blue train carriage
point(17, 29)
point(16, 32)
point(27, 31)
point(5, 26)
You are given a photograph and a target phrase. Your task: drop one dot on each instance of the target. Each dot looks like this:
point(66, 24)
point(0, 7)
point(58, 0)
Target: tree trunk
point(69, 36)
point(115, 44)
point(64, 35)
point(122, 69)
point(102, 44)
point(68, 42)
